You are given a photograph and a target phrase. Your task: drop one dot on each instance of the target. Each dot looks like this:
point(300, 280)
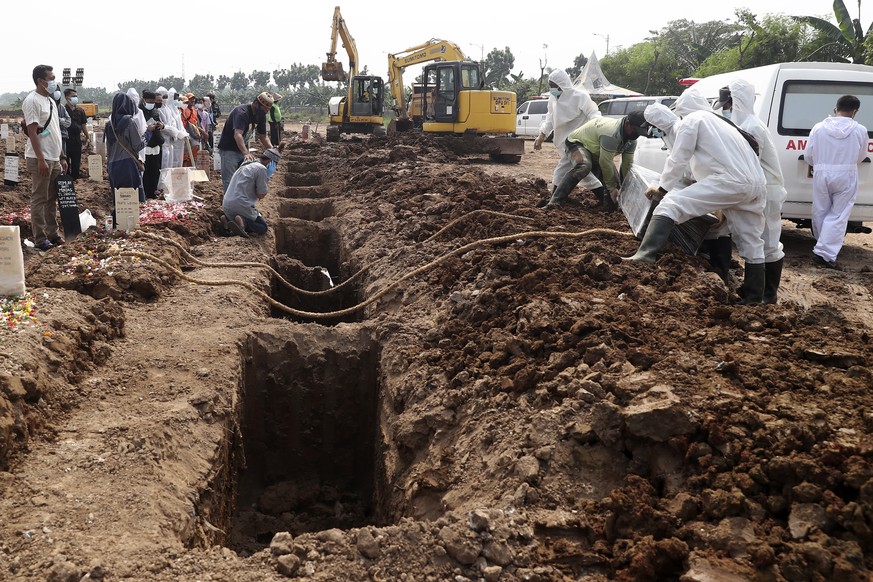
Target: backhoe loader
point(453, 101)
point(360, 109)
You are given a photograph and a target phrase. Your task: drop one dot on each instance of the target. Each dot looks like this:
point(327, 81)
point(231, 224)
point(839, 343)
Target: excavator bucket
point(333, 71)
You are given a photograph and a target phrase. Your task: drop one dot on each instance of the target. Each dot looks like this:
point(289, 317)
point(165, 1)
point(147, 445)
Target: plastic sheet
point(638, 210)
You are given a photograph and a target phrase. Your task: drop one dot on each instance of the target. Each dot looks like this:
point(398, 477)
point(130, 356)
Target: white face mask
point(149, 106)
point(199, 106)
point(74, 100)
point(57, 95)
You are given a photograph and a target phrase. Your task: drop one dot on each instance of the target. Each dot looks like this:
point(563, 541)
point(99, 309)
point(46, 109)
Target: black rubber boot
point(559, 196)
point(599, 193)
point(772, 276)
point(753, 285)
point(720, 251)
point(654, 240)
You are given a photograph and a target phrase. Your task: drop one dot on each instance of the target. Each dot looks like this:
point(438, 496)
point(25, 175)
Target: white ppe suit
point(566, 113)
point(835, 148)
point(173, 133)
point(727, 173)
point(743, 97)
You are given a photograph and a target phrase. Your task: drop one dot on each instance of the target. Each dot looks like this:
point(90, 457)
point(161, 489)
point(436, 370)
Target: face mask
point(52, 86)
point(158, 104)
point(57, 95)
point(555, 91)
point(149, 106)
point(74, 100)
point(199, 106)
point(726, 113)
point(655, 132)
point(271, 168)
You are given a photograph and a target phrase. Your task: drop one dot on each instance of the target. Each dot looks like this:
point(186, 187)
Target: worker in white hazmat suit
point(173, 132)
point(568, 108)
point(728, 178)
point(738, 100)
point(179, 150)
point(835, 148)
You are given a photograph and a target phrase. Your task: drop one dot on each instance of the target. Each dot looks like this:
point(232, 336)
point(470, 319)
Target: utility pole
point(607, 40)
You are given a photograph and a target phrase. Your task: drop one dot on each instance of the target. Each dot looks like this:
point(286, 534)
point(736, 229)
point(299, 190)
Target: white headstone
point(126, 209)
point(95, 168)
point(10, 169)
point(10, 143)
point(216, 162)
point(4, 130)
point(11, 262)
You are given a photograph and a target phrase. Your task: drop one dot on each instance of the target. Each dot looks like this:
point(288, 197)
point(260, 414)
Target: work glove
point(654, 193)
point(538, 142)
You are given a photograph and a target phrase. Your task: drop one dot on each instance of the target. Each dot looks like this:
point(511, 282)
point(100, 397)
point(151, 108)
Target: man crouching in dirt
point(248, 185)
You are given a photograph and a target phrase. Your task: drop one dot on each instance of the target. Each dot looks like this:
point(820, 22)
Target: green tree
point(578, 64)
point(222, 82)
point(523, 88)
point(497, 66)
point(239, 81)
point(282, 78)
point(200, 85)
point(260, 79)
point(137, 84)
point(847, 35)
point(175, 82)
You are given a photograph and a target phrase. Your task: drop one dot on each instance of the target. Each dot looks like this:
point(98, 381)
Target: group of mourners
point(722, 160)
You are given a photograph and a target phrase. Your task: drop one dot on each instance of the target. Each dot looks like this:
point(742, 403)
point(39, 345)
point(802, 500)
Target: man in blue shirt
point(247, 186)
point(233, 146)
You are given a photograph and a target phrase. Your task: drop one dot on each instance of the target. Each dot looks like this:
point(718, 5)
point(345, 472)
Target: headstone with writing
point(10, 170)
point(4, 130)
point(203, 161)
point(126, 209)
point(10, 143)
point(11, 262)
point(95, 168)
point(216, 162)
point(69, 207)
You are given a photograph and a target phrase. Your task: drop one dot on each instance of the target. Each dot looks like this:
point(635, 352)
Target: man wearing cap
point(233, 144)
point(275, 119)
point(592, 149)
point(248, 185)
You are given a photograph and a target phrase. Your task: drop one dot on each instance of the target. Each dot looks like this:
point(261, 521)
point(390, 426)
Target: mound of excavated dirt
point(417, 375)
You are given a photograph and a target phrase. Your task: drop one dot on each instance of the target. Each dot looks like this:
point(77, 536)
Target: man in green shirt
point(593, 147)
point(274, 117)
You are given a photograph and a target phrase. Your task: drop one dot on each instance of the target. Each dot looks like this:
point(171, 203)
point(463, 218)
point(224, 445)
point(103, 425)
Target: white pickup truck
point(790, 99)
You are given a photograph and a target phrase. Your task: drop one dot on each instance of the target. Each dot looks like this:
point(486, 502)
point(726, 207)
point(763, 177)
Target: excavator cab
point(367, 96)
point(444, 83)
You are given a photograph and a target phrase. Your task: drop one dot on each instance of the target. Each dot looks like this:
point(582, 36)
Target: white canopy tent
point(598, 86)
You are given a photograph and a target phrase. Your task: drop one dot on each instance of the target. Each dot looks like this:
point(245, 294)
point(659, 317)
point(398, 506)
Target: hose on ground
point(378, 295)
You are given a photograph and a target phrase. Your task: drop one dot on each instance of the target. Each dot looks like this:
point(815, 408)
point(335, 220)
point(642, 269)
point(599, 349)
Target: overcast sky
point(119, 41)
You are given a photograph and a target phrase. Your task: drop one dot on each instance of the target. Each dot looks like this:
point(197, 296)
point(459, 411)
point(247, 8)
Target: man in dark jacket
point(78, 132)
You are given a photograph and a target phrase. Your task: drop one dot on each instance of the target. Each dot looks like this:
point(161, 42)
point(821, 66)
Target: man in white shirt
point(44, 157)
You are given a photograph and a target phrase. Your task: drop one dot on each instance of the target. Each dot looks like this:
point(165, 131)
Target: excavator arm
point(332, 69)
point(432, 50)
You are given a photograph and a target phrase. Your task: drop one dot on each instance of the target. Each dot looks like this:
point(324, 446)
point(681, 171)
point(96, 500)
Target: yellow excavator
point(360, 109)
point(452, 101)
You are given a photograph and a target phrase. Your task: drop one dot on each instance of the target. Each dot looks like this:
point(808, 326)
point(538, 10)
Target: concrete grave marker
point(10, 170)
point(11, 262)
point(95, 168)
point(126, 209)
point(10, 143)
point(4, 130)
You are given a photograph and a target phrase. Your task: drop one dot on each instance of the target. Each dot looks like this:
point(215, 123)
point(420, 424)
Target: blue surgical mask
point(57, 95)
point(271, 169)
point(726, 113)
point(149, 106)
point(555, 91)
point(74, 100)
point(655, 132)
point(52, 86)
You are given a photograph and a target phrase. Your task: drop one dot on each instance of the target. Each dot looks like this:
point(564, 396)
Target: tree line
point(681, 49)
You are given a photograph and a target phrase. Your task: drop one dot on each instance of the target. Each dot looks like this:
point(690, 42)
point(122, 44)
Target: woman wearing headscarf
point(123, 143)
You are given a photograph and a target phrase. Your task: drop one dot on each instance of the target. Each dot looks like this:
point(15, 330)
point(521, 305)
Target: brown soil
point(530, 408)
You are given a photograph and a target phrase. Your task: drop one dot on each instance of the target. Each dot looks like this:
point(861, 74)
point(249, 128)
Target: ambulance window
point(805, 103)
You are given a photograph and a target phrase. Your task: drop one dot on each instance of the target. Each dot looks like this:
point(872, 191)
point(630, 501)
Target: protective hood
point(660, 116)
point(839, 127)
point(138, 117)
point(560, 78)
point(743, 96)
point(162, 91)
point(134, 95)
point(690, 100)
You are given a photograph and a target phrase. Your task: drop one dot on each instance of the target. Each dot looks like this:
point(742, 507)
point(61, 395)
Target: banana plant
point(847, 34)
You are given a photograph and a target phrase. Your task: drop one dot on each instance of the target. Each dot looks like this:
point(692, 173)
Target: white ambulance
point(790, 99)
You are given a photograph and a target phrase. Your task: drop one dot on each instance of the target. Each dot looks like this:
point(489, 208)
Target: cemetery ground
point(475, 393)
